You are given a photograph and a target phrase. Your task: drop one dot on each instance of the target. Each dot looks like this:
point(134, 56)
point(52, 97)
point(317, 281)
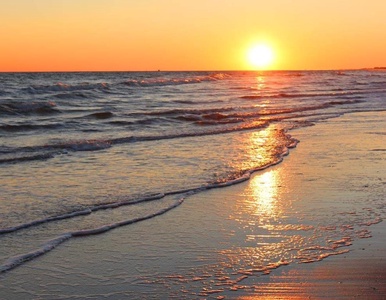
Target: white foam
point(79, 213)
point(20, 259)
point(51, 244)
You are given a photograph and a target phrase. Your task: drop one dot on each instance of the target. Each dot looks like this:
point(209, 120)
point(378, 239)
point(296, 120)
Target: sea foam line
point(83, 212)
point(20, 259)
point(16, 261)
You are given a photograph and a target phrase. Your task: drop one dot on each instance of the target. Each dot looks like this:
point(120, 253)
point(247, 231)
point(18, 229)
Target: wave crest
point(59, 87)
point(175, 81)
point(25, 108)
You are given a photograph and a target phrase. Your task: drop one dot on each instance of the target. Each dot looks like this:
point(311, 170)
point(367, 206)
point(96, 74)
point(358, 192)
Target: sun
point(260, 56)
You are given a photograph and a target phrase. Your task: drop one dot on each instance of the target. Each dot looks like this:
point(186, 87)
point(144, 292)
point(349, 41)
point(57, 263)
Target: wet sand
point(359, 274)
point(308, 228)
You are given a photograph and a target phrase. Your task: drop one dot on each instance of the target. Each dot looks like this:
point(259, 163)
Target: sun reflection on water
point(264, 191)
point(259, 208)
point(260, 82)
point(260, 148)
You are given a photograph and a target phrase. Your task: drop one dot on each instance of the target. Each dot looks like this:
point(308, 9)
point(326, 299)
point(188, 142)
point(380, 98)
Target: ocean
point(85, 153)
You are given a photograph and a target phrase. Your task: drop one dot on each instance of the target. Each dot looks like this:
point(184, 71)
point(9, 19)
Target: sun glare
point(260, 56)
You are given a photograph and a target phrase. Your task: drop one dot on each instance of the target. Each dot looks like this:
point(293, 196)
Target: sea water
point(84, 153)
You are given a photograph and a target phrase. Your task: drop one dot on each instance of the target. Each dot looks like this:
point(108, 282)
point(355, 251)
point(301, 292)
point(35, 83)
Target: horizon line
point(159, 70)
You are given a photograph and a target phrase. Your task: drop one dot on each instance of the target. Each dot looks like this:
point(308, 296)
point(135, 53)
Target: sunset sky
point(125, 35)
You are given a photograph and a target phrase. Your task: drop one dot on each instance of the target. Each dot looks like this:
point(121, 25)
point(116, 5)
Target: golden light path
point(262, 191)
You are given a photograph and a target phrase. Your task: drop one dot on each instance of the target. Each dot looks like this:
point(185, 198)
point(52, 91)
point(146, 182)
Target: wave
point(174, 81)
point(72, 95)
point(81, 145)
point(79, 91)
point(101, 115)
point(31, 153)
point(221, 116)
point(81, 213)
point(20, 259)
point(51, 244)
point(143, 121)
point(26, 108)
point(255, 112)
point(305, 95)
point(58, 87)
point(177, 111)
point(29, 127)
point(132, 139)
point(210, 119)
point(192, 102)
point(26, 158)
point(221, 122)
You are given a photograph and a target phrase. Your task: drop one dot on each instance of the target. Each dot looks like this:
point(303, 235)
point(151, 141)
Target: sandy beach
point(308, 228)
point(360, 274)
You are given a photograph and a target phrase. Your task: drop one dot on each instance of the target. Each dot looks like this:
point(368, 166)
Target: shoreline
point(213, 230)
point(358, 274)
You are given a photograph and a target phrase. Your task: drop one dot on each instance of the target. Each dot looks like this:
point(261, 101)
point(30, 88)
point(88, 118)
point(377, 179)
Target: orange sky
point(88, 35)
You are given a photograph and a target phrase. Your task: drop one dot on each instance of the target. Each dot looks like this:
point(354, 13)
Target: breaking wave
point(26, 108)
point(59, 87)
point(151, 82)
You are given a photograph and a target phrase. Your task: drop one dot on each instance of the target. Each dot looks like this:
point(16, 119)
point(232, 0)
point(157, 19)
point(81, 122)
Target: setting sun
point(260, 56)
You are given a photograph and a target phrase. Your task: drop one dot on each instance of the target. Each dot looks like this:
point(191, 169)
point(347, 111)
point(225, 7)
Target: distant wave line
point(212, 117)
